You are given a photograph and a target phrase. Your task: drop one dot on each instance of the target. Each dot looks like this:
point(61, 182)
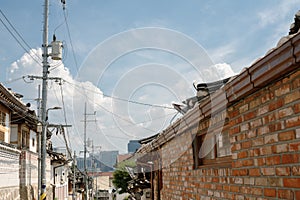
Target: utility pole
point(93, 166)
point(85, 171)
point(74, 177)
point(39, 142)
point(56, 55)
point(44, 101)
point(85, 150)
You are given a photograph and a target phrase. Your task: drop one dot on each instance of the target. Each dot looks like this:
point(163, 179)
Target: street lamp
point(42, 181)
point(53, 108)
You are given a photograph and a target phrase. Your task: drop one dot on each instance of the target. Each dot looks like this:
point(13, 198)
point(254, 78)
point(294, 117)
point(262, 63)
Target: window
point(223, 145)
point(25, 139)
point(211, 149)
point(2, 136)
point(4, 119)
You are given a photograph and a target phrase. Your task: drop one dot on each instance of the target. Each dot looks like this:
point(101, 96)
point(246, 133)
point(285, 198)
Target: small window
point(25, 139)
point(223, 145)
point(2, 118)
point(2, 136)
point(211, 149)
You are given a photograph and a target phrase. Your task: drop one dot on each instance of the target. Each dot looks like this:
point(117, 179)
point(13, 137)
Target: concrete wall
point(10, 193)
point(29, 175)
point(102, 182)
point(9, 170)
point(61, 182)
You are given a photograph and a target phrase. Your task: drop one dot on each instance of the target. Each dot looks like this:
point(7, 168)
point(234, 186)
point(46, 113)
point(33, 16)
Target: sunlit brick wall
point(264, 130)
point(265, 136)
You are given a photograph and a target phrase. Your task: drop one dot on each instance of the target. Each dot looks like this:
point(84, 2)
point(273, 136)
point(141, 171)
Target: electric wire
point(62, 142)
point(13, 80)
point(20, 36)
point(39, 62)
point(65, 118)
point(121, 117)
point(17, 32)
point(65, 115)
point(65, 141)
point(72, 46)
point(76, 65)
point(71, 43)
point(19, 112)
point(136, 102)
point(114, 114)
point(121, 99)
point(64, 52)
point(137, 123)
point(70, 38)
point(132, 124)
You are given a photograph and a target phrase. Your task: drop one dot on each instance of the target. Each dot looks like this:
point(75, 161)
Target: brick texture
point(264, 130)
point(262, 115)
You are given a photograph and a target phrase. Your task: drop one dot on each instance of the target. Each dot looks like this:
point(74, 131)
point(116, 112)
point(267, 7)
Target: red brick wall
point(264, 130)
point(266, 141)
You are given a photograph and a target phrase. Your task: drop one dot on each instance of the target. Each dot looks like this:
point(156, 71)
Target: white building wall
point(9, 166)
point(61, 182)
point(33, 142)
point(29, 168)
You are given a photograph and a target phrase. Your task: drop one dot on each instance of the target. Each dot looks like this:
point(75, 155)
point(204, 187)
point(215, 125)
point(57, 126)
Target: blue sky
point(241, 30)
point(231, 33)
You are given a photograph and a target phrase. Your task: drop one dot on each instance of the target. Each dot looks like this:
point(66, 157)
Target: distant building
point(96, 167)
point(108, 158)
point(122, 157)
point(101, 162)
point(133, 145)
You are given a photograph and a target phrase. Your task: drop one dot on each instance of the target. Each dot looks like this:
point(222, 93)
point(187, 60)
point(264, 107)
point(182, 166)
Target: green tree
point(120, 180)
point(121, 176)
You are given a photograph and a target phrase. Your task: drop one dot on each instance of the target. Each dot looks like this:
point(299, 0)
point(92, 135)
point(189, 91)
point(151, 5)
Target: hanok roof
point(274, 65)
point(18, 108)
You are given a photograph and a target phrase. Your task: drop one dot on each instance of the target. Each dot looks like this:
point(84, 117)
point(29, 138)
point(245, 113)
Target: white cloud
point(224, 70)
point(221, 53)
point(277, 12)
point(74, 95)
point(117, 121)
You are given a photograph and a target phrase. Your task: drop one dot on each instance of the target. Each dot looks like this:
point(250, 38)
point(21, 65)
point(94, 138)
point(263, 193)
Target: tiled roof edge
point(11, 97)
point(274, 65)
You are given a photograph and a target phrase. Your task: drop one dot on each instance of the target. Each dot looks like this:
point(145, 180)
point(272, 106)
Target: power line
point(20, 36)
point(105, 109)
point(114, 114)
point(16, 31)
point(70, 38)
point(120, 117)
point(65, 118)
point(121, 99)
point(66, 140)
point(13, 80)
point(136, 102)
point(137, 123)
point(109, 96)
